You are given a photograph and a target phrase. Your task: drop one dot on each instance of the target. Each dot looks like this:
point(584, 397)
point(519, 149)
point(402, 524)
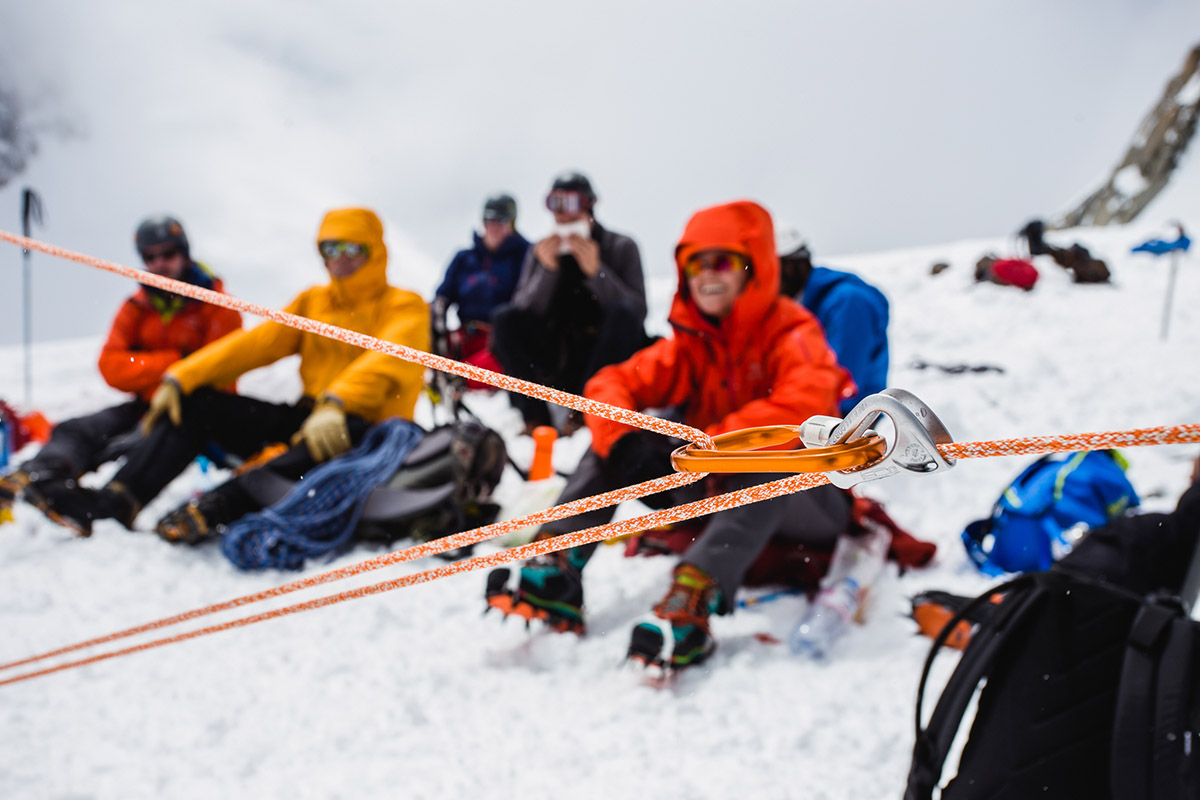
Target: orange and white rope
point(1179, 434)
point(623, 415)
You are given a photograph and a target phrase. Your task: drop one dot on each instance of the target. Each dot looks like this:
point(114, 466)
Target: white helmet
point(789, 241)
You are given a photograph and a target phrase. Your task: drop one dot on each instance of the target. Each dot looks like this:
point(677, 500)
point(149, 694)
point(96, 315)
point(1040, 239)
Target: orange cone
point(542, 467)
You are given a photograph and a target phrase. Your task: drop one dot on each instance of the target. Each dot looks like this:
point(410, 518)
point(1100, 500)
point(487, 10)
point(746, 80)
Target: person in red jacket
point(741, 356)
point(152, 330)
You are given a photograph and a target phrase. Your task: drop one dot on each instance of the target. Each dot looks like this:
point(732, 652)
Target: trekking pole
point(1170, 293)
point(31, 211)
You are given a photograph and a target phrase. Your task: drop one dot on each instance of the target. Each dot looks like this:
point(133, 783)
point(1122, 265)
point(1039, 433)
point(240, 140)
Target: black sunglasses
point(162, 255)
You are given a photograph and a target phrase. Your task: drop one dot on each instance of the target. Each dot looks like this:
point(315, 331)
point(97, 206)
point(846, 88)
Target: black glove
point(641, 456)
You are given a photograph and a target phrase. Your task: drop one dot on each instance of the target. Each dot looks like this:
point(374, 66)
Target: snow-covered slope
point(415, 694)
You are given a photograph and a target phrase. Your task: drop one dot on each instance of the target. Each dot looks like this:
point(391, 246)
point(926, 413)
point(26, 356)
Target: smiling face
point(715, 278)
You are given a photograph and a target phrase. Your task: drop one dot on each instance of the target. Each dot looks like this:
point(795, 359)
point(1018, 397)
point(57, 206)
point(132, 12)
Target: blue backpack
point(1041, 515)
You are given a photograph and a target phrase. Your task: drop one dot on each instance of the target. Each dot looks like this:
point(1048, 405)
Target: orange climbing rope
point(624, 415)
point(731, 452)
point(1180, 434)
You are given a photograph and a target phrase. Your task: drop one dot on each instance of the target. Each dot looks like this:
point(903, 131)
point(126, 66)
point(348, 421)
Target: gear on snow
point(548, 588)
point(676, 634)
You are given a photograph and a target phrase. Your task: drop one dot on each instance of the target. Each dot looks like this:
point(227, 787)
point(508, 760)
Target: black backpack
point(444, 486)
point(1091, 692)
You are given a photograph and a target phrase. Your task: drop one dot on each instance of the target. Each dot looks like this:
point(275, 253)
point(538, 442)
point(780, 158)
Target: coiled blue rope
point(319, 514)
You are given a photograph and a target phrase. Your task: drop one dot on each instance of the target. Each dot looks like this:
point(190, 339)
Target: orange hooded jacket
point(143, 342)
point(767, 363)
point(370, 384)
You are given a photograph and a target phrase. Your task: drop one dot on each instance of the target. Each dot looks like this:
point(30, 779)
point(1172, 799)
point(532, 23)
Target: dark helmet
point(500, 208)
point(161, 230)
point(574, 182)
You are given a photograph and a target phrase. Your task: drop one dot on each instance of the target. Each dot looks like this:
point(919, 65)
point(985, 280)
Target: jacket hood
point(361, 226)
point(743, 227)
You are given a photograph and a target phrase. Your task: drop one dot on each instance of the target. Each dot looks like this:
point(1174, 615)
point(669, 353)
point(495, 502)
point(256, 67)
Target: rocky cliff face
point(1152, 156)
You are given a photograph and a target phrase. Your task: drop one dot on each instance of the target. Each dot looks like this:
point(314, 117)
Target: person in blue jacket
point(478, 280)
point(853, 313)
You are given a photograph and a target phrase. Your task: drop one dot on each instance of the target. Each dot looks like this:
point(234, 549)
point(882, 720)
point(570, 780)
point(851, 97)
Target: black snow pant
point(241, 426)
point(732, 539)
point(559, 352)
point(82, 444)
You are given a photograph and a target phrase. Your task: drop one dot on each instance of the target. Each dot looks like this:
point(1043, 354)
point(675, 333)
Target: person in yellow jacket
point(346, 390)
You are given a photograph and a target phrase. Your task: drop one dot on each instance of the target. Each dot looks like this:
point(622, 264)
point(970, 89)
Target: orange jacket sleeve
point(366, 384)
point(654, 377)
point(123, 365)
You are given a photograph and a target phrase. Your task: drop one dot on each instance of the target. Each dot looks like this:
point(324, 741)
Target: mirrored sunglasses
point(162, 255)
point(716, 262)
point(331, 250)
point(568, 202)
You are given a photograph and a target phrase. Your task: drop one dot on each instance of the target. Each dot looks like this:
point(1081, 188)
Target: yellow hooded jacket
point(372, 385)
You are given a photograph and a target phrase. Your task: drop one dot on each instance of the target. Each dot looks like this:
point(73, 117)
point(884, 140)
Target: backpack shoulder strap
point(933, 741)
point(1152, 705)
point(386, 503)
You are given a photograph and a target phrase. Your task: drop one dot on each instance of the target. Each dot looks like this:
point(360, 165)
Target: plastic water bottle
point(827, 619)
point(542, 466)
point(3, 442)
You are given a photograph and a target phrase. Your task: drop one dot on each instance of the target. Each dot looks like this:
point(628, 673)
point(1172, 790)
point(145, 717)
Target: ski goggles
point(566, 202)
point(716, 261)
point(331, 250)
point(161, 255)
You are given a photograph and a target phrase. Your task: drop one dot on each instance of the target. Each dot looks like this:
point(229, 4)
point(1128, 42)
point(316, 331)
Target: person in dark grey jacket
point(580, 303)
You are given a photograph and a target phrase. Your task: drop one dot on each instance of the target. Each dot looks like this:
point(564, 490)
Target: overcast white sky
point(869, 125)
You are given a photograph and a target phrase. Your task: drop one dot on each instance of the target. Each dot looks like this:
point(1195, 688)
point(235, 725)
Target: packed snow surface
point(416, 694)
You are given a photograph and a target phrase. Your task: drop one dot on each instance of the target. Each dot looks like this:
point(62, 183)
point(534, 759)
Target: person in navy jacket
point(853, 313)
point(478, 280)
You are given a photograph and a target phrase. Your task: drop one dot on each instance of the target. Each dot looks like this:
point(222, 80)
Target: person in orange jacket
point(741, 356)
point(152, 330)
point(346, 390)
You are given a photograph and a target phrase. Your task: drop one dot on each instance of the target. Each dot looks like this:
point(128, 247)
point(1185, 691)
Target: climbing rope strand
point(434, 547)
point(1025, 446)
point(697, 508)
point(1180, 434)
point(622, 415)
point(1034, 445)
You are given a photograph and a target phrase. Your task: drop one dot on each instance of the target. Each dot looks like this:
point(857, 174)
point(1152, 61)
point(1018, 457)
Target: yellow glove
point(167, 399)
point(325, 432)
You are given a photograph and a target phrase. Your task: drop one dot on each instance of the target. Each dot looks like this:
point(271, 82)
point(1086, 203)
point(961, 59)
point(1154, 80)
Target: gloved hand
point(167, 399)
point(325, 432)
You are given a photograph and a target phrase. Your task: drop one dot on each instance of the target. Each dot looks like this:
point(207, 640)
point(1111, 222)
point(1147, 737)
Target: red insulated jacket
point(144, 341)
point(767, 363)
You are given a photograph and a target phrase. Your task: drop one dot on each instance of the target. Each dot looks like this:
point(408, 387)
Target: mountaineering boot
point(120, 504)
point(77, 507)
point(65, 503)
point(676, 634)
point(549, 588)
point(185, 524)
point(196, 521)
point(11, 486)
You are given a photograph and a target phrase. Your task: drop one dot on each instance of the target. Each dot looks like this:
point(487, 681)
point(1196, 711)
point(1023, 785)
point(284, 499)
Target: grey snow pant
point(732, 539)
